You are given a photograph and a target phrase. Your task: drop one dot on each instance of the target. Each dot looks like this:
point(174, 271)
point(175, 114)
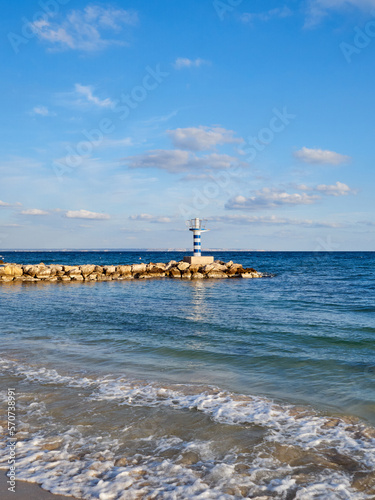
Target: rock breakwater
point(91, 272)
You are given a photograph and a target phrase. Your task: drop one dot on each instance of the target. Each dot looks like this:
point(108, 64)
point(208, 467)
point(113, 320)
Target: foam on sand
point(183, 441)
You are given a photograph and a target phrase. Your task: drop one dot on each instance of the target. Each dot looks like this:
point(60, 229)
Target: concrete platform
point(202, 261)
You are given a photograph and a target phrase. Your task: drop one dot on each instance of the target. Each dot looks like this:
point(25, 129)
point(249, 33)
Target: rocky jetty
point(91, 272)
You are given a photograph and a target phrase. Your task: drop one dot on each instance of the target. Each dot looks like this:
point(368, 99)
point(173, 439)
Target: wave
point(295, 452)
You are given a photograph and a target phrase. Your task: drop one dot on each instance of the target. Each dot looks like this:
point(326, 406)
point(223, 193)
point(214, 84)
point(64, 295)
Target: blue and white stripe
point(197, 243)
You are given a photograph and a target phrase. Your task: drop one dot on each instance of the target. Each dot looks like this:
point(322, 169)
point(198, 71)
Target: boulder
point(43, 272)
point(186, 274)
point(99, 269)
point(75, 271)
point(229, 264)
point(7, 278)
point(11, 270)
point(143, 276)
point(207, 268)
point(109, 270)
point(219, 267)
point(194, 268)
point(216, 274)
point(87, 269)
point(91, 277)
point(124, 270)
point(197, 276)
point(174, 273)
point(157, 271)
point(182, 266)
point(170, 265)
point(235, 269)
point(138, 268)
point(251, 275)
point(76, 277)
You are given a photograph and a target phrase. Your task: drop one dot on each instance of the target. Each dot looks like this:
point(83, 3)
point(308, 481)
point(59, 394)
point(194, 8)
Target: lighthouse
point(197, 227)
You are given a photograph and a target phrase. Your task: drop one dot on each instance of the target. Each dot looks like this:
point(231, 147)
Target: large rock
point(174, 273)
point(87, 269)
point(156, 271)
point(7, 278)
point(182, 266)
point(197, 276)
point(74, 271)
point(216, 274)
point(124, 270)
point(138, 268)
point(11, 270)
point(109, 270)
point(235, 269)
point(43, 272)
point(251, 275)
point(171, 264)
point(186, 274)
point(76, 277)
point(219, 267)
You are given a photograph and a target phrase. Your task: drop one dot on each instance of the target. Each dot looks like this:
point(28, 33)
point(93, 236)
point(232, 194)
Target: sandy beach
point(26, 491)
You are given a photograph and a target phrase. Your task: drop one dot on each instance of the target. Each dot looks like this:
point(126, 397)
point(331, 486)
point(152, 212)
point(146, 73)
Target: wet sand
point(26, 491)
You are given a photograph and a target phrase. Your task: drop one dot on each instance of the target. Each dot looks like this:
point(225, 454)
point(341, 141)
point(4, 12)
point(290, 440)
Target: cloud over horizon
point(34, 211)
point(150, 218)
point(201, 138)
point(270, 198)
point(184, 62)
point(177, 160)
point(271, 220)
point(86, 214)
point(320, 156)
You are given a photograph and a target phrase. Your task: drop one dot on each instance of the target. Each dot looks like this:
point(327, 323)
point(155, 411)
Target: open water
point(208, 389)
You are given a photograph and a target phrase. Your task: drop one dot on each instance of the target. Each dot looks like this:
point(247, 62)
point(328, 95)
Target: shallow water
point(209, 389)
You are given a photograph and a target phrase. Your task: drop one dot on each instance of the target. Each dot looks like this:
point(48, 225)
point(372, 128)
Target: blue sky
point(120, 120)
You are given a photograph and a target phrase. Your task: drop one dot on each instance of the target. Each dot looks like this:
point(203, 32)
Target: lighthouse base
point(199, 260)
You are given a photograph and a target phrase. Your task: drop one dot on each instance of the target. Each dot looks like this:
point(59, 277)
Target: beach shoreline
point(26, 491)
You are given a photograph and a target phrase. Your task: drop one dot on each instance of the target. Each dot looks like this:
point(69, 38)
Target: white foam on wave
point(85, 467)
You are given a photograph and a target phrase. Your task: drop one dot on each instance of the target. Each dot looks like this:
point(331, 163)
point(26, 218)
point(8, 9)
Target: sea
point(208, 389)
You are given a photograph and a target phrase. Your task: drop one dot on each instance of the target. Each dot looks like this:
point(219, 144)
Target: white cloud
point(85, 29)
point(34, 211)
point(179, 161)
point(338, 189)
point(318, 9)
point(85, 214)
point(270, 198)
point(279, 12)
point(201, 138)
point(150, 218)
point(271, 220)
point(4, 204)
point(116, 143)
point(320, 156)
point(87, 92)
point(184, 62)
point(42, 110)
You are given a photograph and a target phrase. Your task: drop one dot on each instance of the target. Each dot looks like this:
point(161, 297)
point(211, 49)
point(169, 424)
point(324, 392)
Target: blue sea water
point(196, 369)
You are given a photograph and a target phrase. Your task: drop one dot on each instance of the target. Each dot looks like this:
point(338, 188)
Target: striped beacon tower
point(197, 226)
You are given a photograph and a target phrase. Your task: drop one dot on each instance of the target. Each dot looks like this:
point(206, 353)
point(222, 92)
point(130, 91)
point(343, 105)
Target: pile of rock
point(173, 269)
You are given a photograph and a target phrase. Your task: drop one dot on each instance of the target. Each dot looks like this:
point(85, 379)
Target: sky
point(121, 120)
